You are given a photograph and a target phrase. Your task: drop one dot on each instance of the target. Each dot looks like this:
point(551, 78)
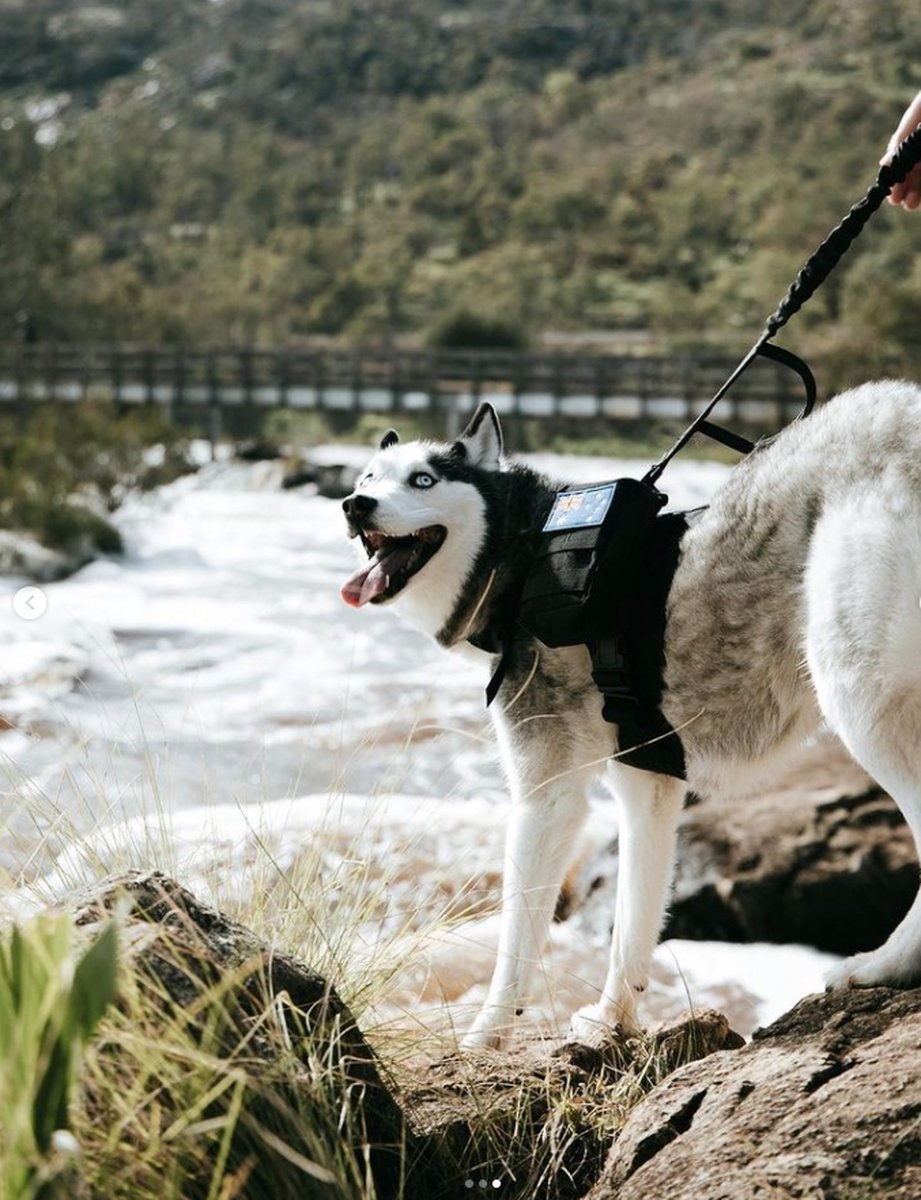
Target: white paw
point(490, 1031)
point(482, 1039)
point(886, 967)
point(595, 1023)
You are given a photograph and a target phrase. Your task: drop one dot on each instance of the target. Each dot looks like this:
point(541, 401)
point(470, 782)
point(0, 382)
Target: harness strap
point(629, 668)
point(735, 441)
point(795, 363)
point(718, 433)
point(496, 642)
point(645, 738)
point(497, 677)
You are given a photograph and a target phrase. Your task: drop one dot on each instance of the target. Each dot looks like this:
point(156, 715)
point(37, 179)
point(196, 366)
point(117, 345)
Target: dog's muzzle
point(357, 509)
point(392, 559)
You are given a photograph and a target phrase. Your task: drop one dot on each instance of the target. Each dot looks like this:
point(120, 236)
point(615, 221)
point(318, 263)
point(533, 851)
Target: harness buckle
point(612, 676)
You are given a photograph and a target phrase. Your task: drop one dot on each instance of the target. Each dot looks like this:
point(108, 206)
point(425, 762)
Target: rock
point(189, 951)
point(541, 1120)
point(299, 476)
point(823, 858)
point(22, 555)
point(257, 450)
point(335, 481)
point(824, 1103)
point(692, 1038)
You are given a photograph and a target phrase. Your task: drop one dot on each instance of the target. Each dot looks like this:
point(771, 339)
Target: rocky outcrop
point(538, 1123)
point(334, 481)
point(21, 554)
point(824, 858)
point(257, 450)
point(826, 1102)
point(188, 953)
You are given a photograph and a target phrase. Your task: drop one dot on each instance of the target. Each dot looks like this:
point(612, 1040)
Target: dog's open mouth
point(393, 561)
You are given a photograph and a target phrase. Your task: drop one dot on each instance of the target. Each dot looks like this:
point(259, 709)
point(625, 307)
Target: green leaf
point(95, 982)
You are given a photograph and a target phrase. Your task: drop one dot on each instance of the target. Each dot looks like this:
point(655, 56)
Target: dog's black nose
point(357, 506)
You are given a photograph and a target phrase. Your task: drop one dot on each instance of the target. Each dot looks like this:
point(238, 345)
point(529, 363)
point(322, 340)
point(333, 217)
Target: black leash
point(812, 275)
point(632, 683)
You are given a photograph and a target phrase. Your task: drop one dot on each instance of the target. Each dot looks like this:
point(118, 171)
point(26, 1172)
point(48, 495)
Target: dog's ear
point(481, 441)
point(390, 438)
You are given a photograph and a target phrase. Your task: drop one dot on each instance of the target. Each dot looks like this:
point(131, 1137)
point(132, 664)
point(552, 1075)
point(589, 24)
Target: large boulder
point(823, 1103)
point(823, 858)
point(22, 555)
point(258, 1008)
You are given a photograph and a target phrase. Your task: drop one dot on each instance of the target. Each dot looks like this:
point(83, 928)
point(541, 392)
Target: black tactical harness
point(600, 578)
point(607, 554)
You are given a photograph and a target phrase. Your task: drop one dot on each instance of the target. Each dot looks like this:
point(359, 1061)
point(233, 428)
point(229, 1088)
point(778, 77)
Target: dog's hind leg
point(864, 655)
point(543, 826)
point(650, 809)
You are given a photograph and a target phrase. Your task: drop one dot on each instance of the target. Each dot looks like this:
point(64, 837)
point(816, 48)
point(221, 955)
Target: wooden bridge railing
point(446, 381)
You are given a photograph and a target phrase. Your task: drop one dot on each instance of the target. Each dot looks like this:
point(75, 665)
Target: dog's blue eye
point(422, 479)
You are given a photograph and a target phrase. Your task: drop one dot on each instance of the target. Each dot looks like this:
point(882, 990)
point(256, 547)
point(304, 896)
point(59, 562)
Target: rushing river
point(212, 680)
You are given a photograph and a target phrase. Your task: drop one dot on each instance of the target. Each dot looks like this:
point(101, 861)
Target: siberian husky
point(795, 602)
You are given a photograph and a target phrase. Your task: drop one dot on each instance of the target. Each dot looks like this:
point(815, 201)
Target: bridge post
point(452, 418)
point(356, 380)
point(115, 366)
point(149, 375)
point(512, 426)
point(245, 370)
point(176, 389)
point(687, 385)
point(395, 381)
point(22, 400)
point(600, 384)
point(281, 376)
point(51, 371)
point(215, 412)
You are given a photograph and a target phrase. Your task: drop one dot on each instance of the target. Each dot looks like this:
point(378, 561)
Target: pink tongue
point(371, 580)
point(364, 585)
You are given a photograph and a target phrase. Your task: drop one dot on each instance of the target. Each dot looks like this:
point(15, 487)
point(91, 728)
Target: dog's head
point(418, 514)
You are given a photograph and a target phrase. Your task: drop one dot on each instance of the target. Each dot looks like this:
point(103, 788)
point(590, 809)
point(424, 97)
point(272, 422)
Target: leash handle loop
point(788, 359)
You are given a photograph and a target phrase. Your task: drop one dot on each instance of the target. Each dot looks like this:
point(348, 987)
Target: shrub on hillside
point(463, 329)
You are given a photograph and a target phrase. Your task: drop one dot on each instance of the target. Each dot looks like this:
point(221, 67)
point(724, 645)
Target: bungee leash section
point(605, 558)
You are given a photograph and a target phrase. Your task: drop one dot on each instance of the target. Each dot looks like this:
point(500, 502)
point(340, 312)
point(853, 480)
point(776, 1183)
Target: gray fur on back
point(735, 675)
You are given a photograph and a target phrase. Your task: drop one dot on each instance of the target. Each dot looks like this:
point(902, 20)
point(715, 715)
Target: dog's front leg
point(542, 831)
point(649, 811)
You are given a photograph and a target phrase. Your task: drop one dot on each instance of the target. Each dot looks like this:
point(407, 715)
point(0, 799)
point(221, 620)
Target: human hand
point(908, 192)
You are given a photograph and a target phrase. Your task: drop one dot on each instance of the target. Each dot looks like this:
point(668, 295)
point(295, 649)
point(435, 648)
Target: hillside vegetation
point(182, 170)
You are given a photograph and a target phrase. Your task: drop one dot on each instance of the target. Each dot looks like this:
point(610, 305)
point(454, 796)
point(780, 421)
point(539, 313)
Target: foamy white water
point(216, 661)
point(213, 675)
